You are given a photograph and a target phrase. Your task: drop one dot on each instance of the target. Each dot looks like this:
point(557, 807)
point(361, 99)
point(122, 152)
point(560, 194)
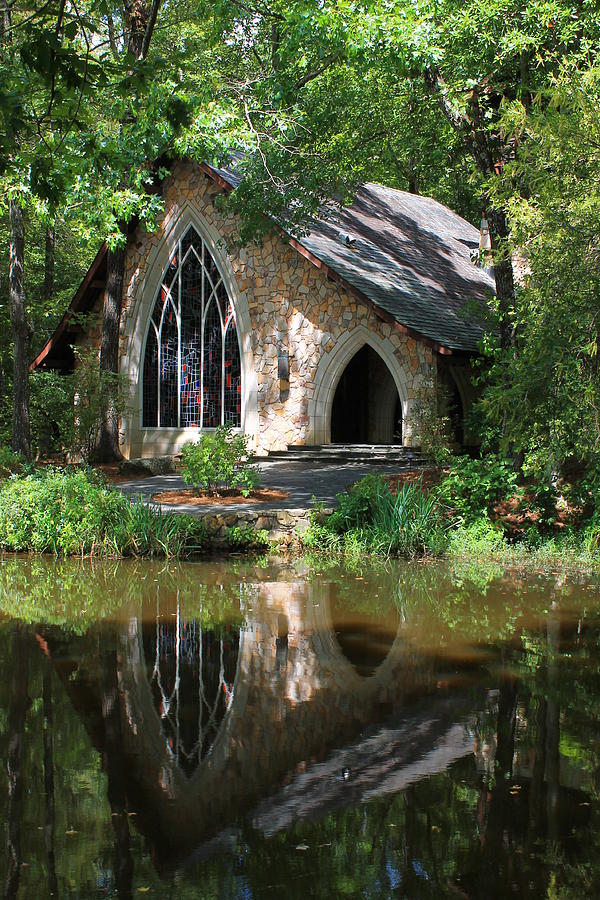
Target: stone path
point(303, 480)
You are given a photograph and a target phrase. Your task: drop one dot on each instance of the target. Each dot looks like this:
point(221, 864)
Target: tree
point(548, 396)
point(45, 69)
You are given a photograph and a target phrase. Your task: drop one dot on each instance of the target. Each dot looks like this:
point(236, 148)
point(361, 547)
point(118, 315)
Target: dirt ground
point(190, 497)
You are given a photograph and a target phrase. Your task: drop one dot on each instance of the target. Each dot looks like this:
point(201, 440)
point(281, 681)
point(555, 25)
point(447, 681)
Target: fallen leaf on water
point(143, 890)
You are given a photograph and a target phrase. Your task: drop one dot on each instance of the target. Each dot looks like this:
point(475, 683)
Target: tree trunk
point(503, 272)
point(140, 21)
point(21, 440)
point(113, 761)
point(107, 447)
point(49, 263)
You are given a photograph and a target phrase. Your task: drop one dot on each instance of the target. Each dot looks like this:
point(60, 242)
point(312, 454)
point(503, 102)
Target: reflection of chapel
point(331, 337)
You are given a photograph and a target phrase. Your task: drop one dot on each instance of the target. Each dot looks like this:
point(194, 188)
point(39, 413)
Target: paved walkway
point(303, 480)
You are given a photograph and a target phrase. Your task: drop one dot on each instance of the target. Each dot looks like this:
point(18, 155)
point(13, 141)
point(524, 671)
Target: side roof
point(408, 255)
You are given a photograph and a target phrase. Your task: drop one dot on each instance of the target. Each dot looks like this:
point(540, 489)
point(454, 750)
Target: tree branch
point(310, 76)
point(150, 28)
point(436, 86)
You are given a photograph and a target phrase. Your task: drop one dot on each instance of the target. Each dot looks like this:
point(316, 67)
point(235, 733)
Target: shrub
point(73, 512)
point(11, 463)
point(472, 487)
point(371, 519)
point(431, 422)
point(358, 504)
point(220, 461)
point(52, 412)
point(480, 537)
point(244, 537)
point(94, 393)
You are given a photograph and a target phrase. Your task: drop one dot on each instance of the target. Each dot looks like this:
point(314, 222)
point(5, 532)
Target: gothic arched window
point(192, 368)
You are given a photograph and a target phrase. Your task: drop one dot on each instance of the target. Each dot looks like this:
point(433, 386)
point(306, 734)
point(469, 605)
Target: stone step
point(369, 454)
point(375, 449)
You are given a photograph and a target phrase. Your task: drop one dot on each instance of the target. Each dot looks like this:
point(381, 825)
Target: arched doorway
point(366, 407)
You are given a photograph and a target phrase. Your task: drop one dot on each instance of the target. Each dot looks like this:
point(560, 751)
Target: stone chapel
point(331, 337)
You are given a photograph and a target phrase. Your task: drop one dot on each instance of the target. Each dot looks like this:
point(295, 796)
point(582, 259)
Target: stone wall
point(282, 300)
point(282, 525)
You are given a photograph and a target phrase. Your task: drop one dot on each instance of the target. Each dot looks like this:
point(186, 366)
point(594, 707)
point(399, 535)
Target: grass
point(72, 512)
point(370, 520)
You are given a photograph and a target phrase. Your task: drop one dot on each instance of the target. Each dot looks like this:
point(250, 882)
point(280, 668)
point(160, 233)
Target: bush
point(95, 393)
point(243, 537)
point(480, 537)
point(371, 519)
point(473, 487)
point(52, 412)
point(431, 422)
point(11, 463)
point(220, 461)
point(73, 512)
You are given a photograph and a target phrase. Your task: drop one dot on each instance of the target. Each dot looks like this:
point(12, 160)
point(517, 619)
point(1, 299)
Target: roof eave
point(72, 310)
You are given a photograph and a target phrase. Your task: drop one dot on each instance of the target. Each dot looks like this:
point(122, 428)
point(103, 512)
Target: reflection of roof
point(407, 255)
point(385, 761)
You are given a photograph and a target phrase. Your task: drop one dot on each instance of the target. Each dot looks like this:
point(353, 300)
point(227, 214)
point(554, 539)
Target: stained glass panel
point(150, 384)
point(191, 342)
point(232, 378)
point(169, 340)
point(213, 360)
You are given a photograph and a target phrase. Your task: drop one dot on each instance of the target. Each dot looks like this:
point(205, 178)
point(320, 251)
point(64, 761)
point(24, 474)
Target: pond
point(250, 729)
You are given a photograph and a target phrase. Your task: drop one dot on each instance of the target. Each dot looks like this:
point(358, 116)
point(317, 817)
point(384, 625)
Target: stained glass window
point(192, 373)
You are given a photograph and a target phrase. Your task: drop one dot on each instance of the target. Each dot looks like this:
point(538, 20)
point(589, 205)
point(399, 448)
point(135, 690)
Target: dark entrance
point(450, 405)
point(366, 408)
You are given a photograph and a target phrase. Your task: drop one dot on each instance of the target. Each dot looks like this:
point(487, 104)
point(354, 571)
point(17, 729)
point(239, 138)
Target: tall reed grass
point(371, 519)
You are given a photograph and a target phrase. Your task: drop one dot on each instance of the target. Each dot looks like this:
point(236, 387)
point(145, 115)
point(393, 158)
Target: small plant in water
point(220, 461)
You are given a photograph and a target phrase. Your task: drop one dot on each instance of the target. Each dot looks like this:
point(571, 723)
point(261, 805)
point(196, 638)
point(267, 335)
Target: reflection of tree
point(498, 800)
point(553, 722)
point(49, 829)
point(17, 711)
point(123, 868)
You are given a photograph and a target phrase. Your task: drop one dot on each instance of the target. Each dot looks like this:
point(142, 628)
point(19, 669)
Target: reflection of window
point(192, 370)
point(192, 677)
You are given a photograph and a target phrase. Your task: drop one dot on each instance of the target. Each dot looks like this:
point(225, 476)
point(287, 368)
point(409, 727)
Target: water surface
point(225, 730)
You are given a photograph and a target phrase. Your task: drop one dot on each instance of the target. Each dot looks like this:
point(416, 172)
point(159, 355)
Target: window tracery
point(192, 374)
